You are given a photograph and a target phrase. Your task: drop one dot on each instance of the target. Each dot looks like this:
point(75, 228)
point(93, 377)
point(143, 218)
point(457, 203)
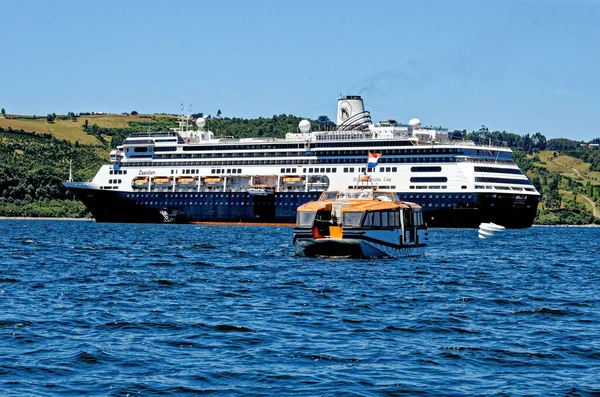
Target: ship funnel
point(351, 114)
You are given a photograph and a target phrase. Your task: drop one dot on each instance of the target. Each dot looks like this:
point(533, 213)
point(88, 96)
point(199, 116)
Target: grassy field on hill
point(568, 166)
point(39, 126)
point(570, 190)
point(73, 131)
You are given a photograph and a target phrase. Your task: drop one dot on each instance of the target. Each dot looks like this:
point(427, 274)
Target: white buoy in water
point(488, 230)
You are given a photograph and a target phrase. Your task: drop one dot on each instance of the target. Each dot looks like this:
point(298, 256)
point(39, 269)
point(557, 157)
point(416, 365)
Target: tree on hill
point(562, 144)
point(324, 121)
point(133, 113)
point(3, 112)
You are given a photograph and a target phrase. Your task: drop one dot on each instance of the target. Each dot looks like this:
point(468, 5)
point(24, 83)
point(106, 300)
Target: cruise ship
point(189, 175)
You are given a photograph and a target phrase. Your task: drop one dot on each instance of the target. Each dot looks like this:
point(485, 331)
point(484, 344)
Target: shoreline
point(42, 218)
point(31, 218)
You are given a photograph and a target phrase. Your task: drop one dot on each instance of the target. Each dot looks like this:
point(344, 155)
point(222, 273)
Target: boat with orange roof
point(359, 223)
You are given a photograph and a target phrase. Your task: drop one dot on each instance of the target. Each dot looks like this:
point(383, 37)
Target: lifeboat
point(140, 182)
point(360, 223)
point(213, 181)
point(261, 190)
point(186, 180)
point(162, 182)
point(293, 181)
point(186, 183)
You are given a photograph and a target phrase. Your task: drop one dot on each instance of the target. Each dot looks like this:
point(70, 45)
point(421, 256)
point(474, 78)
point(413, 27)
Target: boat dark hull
point(353, 244)
point(440, 210)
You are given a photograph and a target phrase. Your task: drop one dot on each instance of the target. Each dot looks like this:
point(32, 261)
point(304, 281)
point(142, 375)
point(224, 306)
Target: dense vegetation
point(274, 127)
point(32, 169)
point(114, 137)
point(33, 166)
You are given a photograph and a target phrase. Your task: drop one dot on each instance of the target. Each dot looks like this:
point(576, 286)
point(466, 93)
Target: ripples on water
point(102, 309)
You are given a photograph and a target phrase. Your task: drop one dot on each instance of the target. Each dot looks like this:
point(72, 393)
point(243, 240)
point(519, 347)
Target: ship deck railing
point(478, 160)
point(460, 142)
point(153, 134)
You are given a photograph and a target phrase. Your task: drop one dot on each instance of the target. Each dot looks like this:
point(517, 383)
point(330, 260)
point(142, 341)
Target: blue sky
point(515, 65)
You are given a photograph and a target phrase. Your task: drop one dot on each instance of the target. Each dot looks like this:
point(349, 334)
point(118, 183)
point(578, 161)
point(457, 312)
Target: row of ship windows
point(419, 187)
point(381, 187)
point(364, 169)
point(280, 146)
point(251, 155)
point(259, 203)
point(254, 153)
point(232, 171)
point(114, 181)
point(237, 195)
point(514, 171)
point(351, 170)
point(528, 189)
point(194, 195)
point(212, 171)
point(117, 172)
point(503, 180)
point(432, 179)
point(300, 161)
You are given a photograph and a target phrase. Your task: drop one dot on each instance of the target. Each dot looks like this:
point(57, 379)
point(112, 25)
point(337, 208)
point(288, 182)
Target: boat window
point(408, 219)
point(352, 219)
point(384, 219)
point(391, 218)
point(376, 219)
point(368, 219)
point(383, 196)
point(355, 195)
point(328, 196)
point(305, 218)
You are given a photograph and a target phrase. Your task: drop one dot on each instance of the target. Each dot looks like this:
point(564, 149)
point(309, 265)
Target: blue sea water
point(138, 310)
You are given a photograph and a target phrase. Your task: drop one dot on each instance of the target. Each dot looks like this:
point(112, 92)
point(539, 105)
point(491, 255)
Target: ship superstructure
point(190, 175)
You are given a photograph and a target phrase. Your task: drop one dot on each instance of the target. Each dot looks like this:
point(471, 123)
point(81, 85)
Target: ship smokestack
point(351, 113)
point(349, 106)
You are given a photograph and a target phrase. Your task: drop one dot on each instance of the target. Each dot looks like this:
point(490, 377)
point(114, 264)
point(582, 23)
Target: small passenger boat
point(359, 223)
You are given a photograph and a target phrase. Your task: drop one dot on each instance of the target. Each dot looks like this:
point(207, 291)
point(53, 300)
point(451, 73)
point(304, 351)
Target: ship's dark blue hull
point(440, 210)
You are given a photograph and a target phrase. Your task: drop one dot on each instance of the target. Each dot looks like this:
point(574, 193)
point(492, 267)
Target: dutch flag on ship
point(372, 159)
